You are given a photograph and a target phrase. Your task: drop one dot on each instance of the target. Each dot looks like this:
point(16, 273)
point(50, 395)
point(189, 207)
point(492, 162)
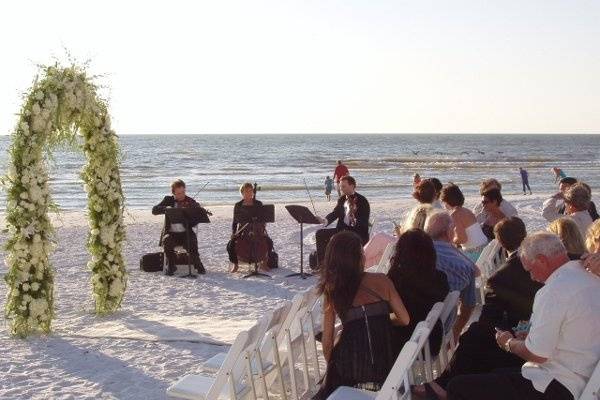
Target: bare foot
point(234, 268)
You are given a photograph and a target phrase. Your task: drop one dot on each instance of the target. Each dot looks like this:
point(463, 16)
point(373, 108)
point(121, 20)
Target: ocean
point(281, 164)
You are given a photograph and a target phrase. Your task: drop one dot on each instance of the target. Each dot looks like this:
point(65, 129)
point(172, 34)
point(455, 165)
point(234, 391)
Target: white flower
point(35, 286)
point(39, 95)
point(24, 195)
point(35, 109)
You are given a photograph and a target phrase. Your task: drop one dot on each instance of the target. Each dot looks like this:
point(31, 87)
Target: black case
point(152, 262)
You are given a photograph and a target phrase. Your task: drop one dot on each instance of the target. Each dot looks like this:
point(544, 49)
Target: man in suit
point(174, 235)
point(352, 213)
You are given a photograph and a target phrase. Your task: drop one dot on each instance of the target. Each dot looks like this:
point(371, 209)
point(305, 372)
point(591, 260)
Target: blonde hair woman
point(592, 261)
point(569, 234)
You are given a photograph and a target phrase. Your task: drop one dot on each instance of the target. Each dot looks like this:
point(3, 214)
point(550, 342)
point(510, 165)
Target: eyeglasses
point(484, 202)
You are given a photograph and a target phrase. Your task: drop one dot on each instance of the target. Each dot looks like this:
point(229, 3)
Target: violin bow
point(202, 188)
point(309, 196)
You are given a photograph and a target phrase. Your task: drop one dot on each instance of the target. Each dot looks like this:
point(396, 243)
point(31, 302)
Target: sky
point(318, 66)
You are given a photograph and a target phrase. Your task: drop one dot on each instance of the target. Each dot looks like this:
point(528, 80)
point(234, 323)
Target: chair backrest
point(592, 389)
point(231, 359)
point(448, 315)
point(397, 385)
point(434, 314)
point(275, 326)
point(384, 263)
point(305, 299)
point(372, 224)
point(256, 335)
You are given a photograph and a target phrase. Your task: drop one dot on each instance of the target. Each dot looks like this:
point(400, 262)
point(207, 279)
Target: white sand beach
point(167, 325)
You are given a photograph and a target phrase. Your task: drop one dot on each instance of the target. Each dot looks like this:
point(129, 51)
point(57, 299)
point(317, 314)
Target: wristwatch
point(507, 345)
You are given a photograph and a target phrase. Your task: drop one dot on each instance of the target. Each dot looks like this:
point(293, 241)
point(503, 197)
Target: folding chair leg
point(277, 362)
point(313, 347)
point(261, 375)
point(304, 358)
point(291, 365)
point(250, 375)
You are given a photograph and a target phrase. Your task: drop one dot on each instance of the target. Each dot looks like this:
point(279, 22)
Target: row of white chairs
point(279, 356)
point(267, 358)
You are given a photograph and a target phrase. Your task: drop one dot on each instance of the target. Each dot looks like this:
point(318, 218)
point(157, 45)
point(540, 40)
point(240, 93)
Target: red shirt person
point(340, 171)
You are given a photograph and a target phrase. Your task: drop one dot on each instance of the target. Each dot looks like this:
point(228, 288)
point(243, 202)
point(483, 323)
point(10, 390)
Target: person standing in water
point(328, 187)
point(525, 180)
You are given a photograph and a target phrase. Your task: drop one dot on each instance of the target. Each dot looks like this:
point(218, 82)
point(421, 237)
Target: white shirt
point(177, 228)
point(565, 329)
point(550, 209)
point(347, 212)
point(583, 221)
point(507, 209)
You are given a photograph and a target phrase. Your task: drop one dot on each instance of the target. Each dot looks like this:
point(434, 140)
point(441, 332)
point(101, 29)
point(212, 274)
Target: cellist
point(248, 193)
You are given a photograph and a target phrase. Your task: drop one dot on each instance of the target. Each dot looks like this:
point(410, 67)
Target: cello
point(252, 244)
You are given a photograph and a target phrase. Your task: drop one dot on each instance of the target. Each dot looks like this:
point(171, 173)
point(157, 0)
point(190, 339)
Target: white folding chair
point(488, 262)
point(201, 387)
point(448, 317)
point(287, 340)
point(372, 225)
point(266, 353)
point(397, 383)
point(592, 388)
point(423, 365)
point(384, 263)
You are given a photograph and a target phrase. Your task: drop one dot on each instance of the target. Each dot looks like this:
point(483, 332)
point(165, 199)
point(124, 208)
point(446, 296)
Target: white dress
point(475, 238)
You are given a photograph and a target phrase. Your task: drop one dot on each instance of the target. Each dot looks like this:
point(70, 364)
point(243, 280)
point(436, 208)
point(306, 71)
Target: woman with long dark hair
point(414, 274)
point(362, 355)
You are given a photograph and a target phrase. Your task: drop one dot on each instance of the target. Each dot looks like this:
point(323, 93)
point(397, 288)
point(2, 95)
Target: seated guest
point(351, 212)
point(414, 274)
point(467, 232)
point(592, 209)
point(592, 260)
point(376, 246)
point(507, 209)
point(509, 291)
point(509, 295)
point(248, 200)
point(459, 270)
point(568, 232)
point(362, 356)
point(561, 348)
point(554, 207)
point(438, 192)
point(577, 202)
point(425, 192)
point(174, 235)
point(491, 200)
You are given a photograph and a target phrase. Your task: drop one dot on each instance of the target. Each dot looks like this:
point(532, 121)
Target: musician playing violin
point(240, 233)
point(174, 235)
point(352, 213)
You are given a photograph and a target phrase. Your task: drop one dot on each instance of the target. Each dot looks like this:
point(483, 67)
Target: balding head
point(439, 226)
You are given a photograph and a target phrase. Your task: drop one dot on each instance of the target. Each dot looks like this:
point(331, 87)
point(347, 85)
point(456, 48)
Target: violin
point(252, 245)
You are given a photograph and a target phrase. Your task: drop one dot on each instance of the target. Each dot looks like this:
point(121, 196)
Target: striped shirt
point(459, 270)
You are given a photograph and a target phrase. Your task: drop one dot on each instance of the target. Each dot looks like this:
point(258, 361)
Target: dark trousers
point(503, 385)
point(174, 239)
point(477, 353)
point(526, 183)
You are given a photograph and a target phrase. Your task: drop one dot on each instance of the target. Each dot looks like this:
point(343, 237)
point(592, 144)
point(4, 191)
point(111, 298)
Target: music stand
point(252, 215)
point(188, 217)
point(302, 215)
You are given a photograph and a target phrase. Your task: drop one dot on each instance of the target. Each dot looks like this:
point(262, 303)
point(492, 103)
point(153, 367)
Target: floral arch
point(61, 107)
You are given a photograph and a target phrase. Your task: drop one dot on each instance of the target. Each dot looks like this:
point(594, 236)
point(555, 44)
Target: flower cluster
point(60, 106)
